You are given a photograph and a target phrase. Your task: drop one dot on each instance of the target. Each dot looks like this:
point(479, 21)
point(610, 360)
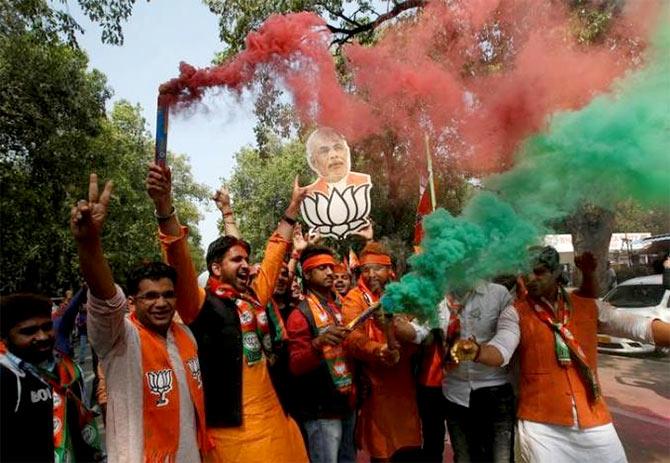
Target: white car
point(644, 296)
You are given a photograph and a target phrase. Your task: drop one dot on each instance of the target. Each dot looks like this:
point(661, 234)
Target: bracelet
point(228, 214)
point(295, 255)
point(163, 218)
point(289, 220)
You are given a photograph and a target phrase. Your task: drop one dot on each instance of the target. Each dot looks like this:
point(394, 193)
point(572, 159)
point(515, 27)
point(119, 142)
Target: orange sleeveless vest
point(547, 389)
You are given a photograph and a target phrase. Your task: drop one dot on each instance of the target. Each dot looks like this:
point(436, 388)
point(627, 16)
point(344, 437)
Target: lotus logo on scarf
point(160, 383)
point(340, 213)
point(194, 366)
point(340, 368)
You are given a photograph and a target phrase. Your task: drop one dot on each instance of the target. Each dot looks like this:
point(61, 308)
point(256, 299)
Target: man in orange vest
point(562, 414)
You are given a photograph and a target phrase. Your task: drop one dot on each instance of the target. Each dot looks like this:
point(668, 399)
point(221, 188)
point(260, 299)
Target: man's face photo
point(328, 155)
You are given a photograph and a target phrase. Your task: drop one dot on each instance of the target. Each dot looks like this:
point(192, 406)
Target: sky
point(157, 37)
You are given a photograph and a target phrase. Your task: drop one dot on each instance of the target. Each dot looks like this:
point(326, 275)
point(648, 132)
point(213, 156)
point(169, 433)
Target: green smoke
point(616, 148)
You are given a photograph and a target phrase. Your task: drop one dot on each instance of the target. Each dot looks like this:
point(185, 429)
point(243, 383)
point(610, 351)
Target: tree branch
point(348, 33)
point(340, 14)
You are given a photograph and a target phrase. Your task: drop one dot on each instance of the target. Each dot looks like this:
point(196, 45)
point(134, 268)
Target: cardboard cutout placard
point(338, 202)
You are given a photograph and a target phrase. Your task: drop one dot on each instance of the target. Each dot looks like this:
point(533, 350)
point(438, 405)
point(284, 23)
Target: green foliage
point(53, 133)
point(591, 20)
point(261, 188)
point(51, 23)
point(630, 217)
point(239, 17)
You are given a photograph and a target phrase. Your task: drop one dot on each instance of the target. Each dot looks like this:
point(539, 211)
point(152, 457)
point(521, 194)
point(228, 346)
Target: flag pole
point(431, 180)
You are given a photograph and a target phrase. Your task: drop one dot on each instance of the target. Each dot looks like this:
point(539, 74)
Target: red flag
point(353, 259)
point(424, 208)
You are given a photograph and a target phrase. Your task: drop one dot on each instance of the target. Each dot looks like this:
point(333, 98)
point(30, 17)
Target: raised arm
point(87, 219)
point(106, 303)
point(587, 264)
point(625, 325)
point(173, 237)
point(264, 283)
point(64, 323)
point(222, 200)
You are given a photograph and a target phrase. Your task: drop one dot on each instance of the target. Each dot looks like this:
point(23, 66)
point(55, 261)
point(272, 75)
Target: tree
point(53, 132)
point(261, 188)
point(49, 22)
point(629, 217)
point(51, 109)
point(384, 154)
point(348, 20)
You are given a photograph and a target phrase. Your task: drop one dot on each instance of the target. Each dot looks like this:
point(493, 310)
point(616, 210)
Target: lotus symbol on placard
point(339, 214)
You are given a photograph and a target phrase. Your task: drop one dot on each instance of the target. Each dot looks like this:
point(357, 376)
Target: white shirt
point(479, 319)
point(117, 343)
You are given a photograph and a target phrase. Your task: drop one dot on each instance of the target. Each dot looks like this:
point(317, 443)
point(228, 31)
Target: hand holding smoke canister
point(162, 111)
point(363, 316)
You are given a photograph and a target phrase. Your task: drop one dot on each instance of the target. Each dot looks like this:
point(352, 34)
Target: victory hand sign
point(88, 217)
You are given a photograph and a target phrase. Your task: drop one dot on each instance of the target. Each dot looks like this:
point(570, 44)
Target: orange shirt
point(190, 297)
point(383, 428)
point(266, 434)
point(547, 389)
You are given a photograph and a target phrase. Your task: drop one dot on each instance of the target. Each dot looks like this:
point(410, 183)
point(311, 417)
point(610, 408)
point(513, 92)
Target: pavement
point(637, 391)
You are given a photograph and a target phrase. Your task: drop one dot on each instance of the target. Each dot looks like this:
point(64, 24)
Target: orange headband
point(340, 268)
point(379, 259)
point(317, 260)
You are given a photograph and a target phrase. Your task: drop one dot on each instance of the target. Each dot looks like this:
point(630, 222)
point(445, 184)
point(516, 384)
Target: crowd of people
point(284, 363)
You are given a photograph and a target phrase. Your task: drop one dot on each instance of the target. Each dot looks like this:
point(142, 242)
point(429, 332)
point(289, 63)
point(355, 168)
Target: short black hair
point(18, 307)
point(315, 250)
point(218, 248)
point(149, 271)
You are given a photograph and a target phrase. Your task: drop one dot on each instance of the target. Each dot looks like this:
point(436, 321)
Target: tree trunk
point(591, 229)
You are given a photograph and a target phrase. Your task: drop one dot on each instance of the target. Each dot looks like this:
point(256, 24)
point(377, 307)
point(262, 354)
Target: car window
point(630, 296)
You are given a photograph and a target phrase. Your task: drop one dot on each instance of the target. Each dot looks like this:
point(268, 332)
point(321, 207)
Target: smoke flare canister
point(162, 112)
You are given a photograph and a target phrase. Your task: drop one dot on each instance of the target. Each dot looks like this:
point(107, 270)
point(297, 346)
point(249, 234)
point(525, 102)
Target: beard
point(34, 353)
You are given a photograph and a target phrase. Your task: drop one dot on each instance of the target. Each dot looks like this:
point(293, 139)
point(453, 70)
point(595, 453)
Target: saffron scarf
point(65, 377)
point(256, 338)
point(566, 346)
point(373, 331)
point(160, 391)
point(326, 313)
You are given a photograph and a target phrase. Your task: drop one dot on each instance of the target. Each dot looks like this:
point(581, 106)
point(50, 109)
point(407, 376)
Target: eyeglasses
point(153, 296)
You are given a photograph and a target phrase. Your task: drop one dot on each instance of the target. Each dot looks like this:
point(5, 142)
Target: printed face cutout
point(338, 202)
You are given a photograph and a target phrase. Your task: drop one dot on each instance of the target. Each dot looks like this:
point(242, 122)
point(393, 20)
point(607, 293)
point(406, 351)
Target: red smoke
point(430, 74)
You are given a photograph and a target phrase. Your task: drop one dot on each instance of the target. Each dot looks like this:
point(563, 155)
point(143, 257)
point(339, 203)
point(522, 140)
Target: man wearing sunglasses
point(155, 406)
point(42, 414)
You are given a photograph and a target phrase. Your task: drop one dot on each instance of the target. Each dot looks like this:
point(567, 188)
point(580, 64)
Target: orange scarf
point(371, 328)
point(326, 314)
point(161, 392)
